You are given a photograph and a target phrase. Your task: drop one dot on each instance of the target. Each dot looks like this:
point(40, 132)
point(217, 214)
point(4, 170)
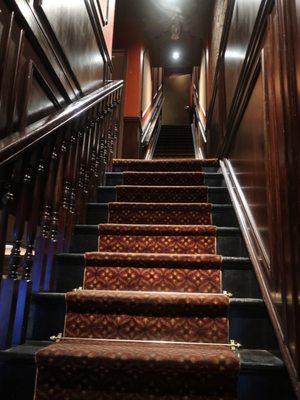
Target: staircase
point(155, 308)
point(175, 141)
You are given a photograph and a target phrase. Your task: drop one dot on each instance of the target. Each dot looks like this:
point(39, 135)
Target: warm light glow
point(175, 55)
point(234, 54)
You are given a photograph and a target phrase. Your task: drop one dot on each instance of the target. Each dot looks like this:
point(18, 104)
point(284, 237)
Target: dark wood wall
point(253, 125)
point(51, 53)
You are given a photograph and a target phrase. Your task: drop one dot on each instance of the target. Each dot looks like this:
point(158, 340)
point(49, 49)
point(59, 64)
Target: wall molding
point(222, 48)
point(248, 71)
point(255, 248)
point(28, 17)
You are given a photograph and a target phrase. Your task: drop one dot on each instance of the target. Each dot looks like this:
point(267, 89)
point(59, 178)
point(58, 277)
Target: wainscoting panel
point(51, 54)
point(253, 125)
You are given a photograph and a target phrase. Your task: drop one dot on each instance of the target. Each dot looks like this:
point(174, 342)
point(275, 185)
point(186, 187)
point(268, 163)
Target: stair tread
point(227, 262)
point(219, 229)
point(168, 355)
point(193, 259)
point(245, 301)
point(173, 164)
point(182, 302)
point(157, 229)
point(175, 205)
point(210, 188)
point(250, 358)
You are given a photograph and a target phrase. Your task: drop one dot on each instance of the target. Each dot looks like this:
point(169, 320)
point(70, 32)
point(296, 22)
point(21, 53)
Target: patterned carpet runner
point(162, 194)
point(151, 321)
point(160, 213)
point(163, 178)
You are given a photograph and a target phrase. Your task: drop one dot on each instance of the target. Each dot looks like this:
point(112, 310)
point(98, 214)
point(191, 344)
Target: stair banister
point(48, 172)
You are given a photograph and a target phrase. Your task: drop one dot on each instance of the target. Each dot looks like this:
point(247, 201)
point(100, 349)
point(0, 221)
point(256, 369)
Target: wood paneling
point(253, 124)
point(52, 53)
point(27, 89)
point(248, 156)
point(69, 24)
point(243, 19)
point(131, 137)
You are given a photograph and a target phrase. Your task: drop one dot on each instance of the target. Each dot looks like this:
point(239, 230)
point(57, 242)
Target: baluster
point(100, 144)
point(56, 231)
point(34, 215)
point(15, 255)
point(105, 137)
point(92, 160)
point(7, 203)
point(74, 197)
point(67, 192)
point(115, 125)
point(82, 174)
point(87, 176)
point(99, 121)
point(111, 133)
point(25, 283)
point(117, 121)
point(42, 240)
point(10, 285)
point(97, 145)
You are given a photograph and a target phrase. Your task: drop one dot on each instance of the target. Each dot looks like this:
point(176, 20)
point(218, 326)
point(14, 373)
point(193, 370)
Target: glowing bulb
point(175, 55)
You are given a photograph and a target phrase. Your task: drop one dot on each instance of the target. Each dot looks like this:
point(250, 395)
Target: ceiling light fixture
point(175, 55)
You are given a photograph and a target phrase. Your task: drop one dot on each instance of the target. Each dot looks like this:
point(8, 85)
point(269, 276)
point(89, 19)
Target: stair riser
point(140, 327)
point(86, 239)
point(249, 325)
point(18, 383)
point(116, 178)
point(98, 214)
point(202, 169)
point(240, 282)
point(215, 196)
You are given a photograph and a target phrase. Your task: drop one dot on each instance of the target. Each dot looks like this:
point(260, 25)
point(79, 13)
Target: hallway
point(149, 192)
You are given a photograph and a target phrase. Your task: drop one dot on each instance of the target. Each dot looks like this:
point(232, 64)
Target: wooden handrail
point(13, 145)
point(148, 131)
point(199, 119)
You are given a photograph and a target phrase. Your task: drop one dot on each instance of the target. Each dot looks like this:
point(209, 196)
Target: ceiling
point(168, 26)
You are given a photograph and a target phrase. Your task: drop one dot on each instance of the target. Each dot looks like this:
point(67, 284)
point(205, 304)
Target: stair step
point(229, 240)
point(251, 359)
point(249, 323)
point(210, 179)
point(222, 214)
point(238, 276)
point(147, 272)
point(147, 315)
point(263, 367)
point(162, 194)
point(143, 238)
point(126, 364)
point(163, 179)
point(216, 195)
point(166, 165)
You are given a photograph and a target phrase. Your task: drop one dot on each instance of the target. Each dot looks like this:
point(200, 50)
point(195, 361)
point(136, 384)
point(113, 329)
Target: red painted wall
point(128, 37)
